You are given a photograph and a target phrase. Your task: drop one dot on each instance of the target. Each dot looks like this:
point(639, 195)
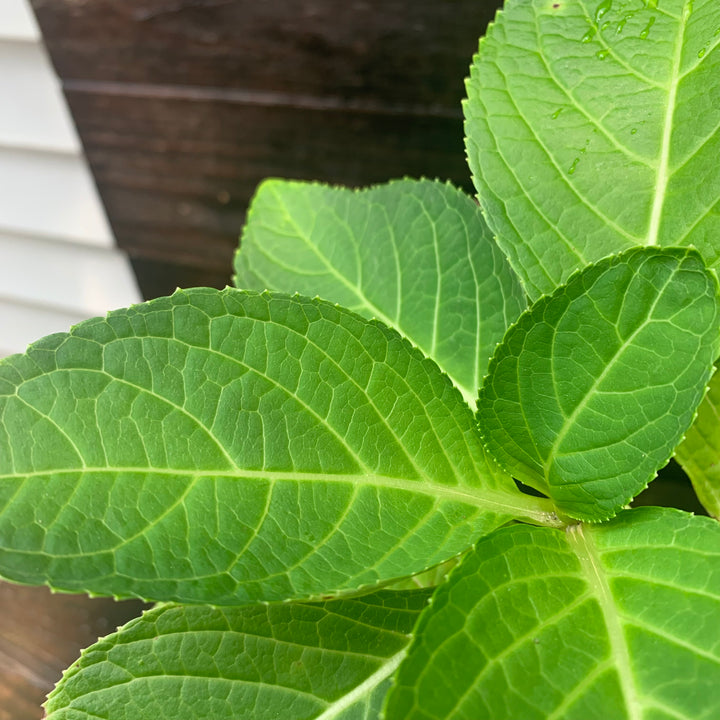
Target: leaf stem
point(536, 511)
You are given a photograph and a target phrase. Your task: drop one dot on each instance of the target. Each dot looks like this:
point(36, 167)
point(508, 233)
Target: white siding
point(50, 194)
point(58, 262)
point(36, 116)
point(21, 324)
point(86, 281)
point(17, 21)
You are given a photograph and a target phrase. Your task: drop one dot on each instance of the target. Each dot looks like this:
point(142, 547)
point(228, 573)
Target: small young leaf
point(599, 622)
point(699, 453)
point(230, 447)
point(592, 127)
point(593, 388)
point(293, 661)
point(415, 254)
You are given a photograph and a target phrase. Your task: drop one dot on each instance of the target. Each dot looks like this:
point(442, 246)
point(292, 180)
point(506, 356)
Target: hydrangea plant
point(388, 474)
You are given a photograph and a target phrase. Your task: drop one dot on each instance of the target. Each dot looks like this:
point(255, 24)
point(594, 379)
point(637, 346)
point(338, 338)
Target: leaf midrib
point(593, 571)
point(569, 422)
point(664, 160)
point(538, 509)
point(367, 686)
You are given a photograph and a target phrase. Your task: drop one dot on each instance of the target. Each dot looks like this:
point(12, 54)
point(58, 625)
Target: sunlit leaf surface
point(415, 254)
point(296, 661)
point(592, 127)
point(617, 621)
point(228, 447)
point(593, 388)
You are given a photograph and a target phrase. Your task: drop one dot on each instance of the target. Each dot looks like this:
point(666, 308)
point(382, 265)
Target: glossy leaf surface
point(593, 388)
point(330, 661)
point(229, 447)
point(699, 453)
point(415, 254)
point(591, 127)
point(617, 621)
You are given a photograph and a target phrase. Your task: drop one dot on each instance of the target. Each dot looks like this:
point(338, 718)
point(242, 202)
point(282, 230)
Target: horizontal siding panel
point(85, 280)
point(51, 195)
point(34, 114)
point(17, 21)
point(21, 324)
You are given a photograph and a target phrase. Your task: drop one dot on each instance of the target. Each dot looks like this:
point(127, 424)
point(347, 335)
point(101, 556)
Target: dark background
point(183, 106)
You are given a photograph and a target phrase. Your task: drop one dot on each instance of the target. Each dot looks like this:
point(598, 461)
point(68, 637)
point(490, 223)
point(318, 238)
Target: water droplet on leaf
point(701, 53)
point(556, 114)
point(572, 168)
point(589, 35)
point(646, 30)
point(602, 54)
point(602, 9)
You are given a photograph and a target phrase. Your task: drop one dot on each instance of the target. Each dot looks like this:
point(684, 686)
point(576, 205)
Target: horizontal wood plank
point(40, 635)
point(391, 52)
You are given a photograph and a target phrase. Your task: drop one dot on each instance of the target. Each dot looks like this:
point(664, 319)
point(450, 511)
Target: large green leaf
point(593, 388)
point(229, 447)
point(415, 254)
point(699, 453)
point(293, 661)
point(602, 622)
point(592, 127)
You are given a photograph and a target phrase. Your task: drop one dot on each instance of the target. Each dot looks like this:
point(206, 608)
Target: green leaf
point(592, 127)
point(230, 447)
point(292, 661)
point(616, 621)
point(415, 254)
point(594, 386)
point(699, 453)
